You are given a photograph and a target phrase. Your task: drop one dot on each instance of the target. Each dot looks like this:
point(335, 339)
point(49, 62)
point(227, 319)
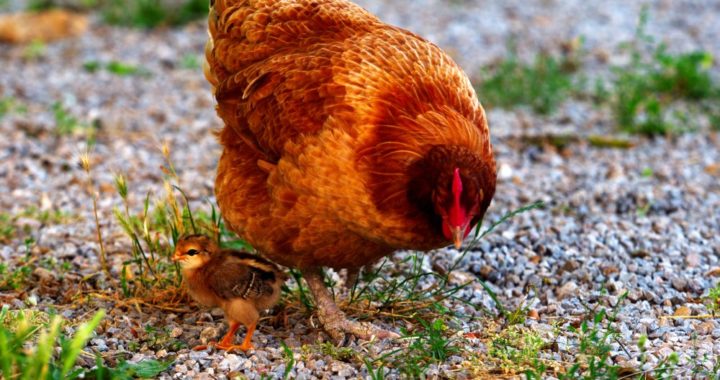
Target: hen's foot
point(333, 319)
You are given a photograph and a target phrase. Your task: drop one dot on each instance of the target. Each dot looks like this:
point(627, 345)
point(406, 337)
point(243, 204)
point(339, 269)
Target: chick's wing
point(231, 278)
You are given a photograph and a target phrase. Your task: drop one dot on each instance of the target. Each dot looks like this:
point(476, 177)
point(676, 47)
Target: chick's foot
point(333, 319)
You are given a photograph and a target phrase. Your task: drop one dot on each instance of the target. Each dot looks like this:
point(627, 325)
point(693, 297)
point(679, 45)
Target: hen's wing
point(241, 275)
point(271, 65)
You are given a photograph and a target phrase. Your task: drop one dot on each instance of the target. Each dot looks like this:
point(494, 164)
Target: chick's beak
point(177, 258)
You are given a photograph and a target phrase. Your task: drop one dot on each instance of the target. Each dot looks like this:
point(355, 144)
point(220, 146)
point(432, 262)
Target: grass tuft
point(53, 356)
point(542, 85)
point(85, 163)
point(649, 92)
point(116, 67)
point(153, 13)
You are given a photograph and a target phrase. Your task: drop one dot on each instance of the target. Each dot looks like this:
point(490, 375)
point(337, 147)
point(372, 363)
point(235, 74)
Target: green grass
point(289, 359)
point(133, 13)
point(517, 349)
point(712, 299)
point(33, 346)
point(542, 85)
point(116, 67)
point(154, 231)
point(34, 50)
point(10, 105)
point(658, 92)
point(427, 344)
point(153, 13)
point(68, 125)
point(7, 227)
point(14, 278)
point(43, 361)
point(190, 62)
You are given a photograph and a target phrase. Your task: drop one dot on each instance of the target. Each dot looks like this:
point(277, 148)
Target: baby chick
point(240, 283)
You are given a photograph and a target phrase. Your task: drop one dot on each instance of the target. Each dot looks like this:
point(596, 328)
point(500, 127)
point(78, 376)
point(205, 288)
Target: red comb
point(457, 213)
point(457, 184)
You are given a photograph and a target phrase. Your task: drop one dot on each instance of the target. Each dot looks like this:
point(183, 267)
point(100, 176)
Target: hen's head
point(458, 185)
point(194, 251)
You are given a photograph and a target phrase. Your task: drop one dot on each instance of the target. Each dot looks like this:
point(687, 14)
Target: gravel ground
point(643, 220)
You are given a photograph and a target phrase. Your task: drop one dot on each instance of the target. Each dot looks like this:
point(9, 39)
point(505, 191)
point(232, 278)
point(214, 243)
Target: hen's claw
point(333, 319)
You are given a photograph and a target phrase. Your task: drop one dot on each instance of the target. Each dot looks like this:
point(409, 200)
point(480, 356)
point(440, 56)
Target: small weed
point(646, 91)
point(53, 355)
point(190, 62)
point(153, 13)
point(14, 278)
point(40, 5)
point(68, 125)
point(115, 67)
point(594, 349)
point(428, 345)
point(374, 373)
point(146, 369)
point(11, 105)
point(85, 163)
point(123, 69)
point(158, 338)
point(516, 349)
point(65, 123)
point(404, 295)
point(46, 217)
point(289, 358)
point(344, 354)
point(542, 85)
point(594, 339)
point(712, 300)
point(35, 50)
point(7, 228)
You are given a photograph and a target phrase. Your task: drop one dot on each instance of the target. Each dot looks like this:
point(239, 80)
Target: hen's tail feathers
point(210, 44)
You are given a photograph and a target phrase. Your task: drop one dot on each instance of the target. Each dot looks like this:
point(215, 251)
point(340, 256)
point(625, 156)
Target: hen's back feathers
point(281, 68)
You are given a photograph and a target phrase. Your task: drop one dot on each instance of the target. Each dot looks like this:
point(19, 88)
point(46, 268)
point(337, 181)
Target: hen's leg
point(333, 319)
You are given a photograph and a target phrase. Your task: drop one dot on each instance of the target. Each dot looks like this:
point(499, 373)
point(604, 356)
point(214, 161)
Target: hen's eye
point(192, 252)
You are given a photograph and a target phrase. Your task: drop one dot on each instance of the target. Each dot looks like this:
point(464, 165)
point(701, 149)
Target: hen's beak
point(458, 235)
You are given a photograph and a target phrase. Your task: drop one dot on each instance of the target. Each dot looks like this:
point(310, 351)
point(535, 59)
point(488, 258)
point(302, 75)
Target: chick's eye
point(192, 252)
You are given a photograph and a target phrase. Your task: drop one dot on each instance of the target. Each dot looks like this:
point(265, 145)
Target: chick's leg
point(333, 319)
point(247, 343)
point(227, 341)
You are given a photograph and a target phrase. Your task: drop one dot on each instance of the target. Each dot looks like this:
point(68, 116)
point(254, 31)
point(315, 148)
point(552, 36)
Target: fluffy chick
point(240, 283)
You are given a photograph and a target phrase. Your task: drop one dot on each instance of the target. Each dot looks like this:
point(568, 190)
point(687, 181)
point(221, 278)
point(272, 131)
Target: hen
point(345, 139)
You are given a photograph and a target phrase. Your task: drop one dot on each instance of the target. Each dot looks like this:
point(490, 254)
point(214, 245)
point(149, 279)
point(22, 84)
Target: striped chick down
point(240, 283)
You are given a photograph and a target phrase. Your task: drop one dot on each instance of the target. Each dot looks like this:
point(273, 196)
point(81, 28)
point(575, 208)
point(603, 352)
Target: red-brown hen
point(345, 139)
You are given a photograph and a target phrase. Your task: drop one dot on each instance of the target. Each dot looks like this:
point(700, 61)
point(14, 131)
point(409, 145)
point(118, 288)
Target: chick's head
point(194, 251)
